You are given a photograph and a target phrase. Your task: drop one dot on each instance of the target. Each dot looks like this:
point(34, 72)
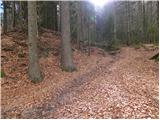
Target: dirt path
point(105, 86)
point(68, 92)
point(120, 88)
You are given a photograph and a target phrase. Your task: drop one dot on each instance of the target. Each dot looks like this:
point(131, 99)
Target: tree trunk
point(89, 33)
point(14, 14)
point(144, 21)
point(157, 5)
point(66, 58)
point(20, 15)
point(79, 25)
point(25, 14)
point(34, 70)
point(115, 22)
point(59, 18)
point(84, 22)
point(5, 22)
point(55, 16)
point(128, 23)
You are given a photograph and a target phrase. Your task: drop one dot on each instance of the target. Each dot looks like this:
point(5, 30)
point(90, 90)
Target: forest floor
point(123, 85)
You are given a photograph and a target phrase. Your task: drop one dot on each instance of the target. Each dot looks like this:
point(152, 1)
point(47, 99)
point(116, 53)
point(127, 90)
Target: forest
point(91, 59)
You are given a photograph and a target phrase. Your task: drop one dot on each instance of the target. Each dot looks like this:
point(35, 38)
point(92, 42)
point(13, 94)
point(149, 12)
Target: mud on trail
point(124, 85)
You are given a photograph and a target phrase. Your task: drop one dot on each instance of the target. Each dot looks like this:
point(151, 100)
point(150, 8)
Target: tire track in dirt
point(67, 92)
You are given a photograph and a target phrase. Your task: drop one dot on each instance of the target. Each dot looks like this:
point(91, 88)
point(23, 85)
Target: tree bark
point(55, 16)
point(79, 25)
point(157, 5)
point(35, 74)
point(5, 21)
point(89, 33)
point(144, 21)
point(14, 14)
point(128, 23)
point(115, 22)
point(66, 58)
point(84, 22)
point(20, 15)
point(59, 18)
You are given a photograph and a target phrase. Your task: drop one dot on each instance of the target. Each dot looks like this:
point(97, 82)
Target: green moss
point(155, 57)
point(2, 74)
point(137, 46)
point(112, 45)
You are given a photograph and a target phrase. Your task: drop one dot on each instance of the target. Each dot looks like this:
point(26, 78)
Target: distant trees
point(35, 74)
point(85, 24)
point(134, 20)
point(47, 13)
point(66, 53)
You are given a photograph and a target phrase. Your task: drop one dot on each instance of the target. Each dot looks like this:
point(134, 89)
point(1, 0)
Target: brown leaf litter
point(124, 85)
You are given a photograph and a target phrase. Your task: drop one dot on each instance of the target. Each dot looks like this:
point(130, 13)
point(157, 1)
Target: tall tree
point(128, 23)
point(66, 58)
point(84, 21)
point(115, 22)
point(157, 4)
point(91, 25)
point(58, 17)
point(14, 14)
point(144, 21)
point(35, 74)
point(79, 23)
point(20, 13)
point(5, 21)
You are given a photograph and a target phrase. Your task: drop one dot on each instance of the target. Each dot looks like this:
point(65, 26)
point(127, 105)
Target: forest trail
point(104, 86)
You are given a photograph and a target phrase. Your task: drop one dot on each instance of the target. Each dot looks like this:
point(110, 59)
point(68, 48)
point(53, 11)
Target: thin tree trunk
point(144, 21)
point(14, 14)
point(94, 27)
point(34, 70)
point(66, 58)
point(55, 16)
point(89, 35)
point(128, 23)
point(84, 22)
point(20, 14)
point(59, 18)
point(5, 21)
point(157, 35)
point(79, 26)
point(157, 12)
point(115, 22)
